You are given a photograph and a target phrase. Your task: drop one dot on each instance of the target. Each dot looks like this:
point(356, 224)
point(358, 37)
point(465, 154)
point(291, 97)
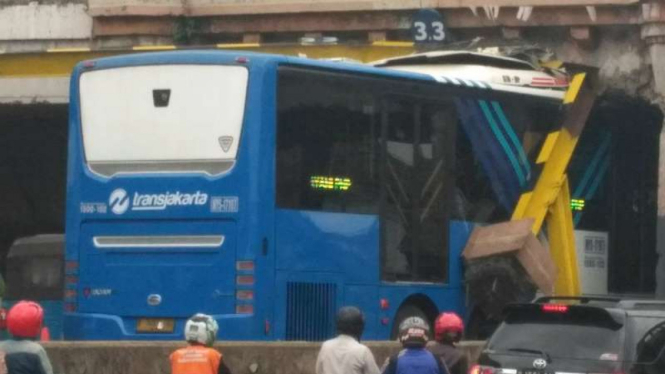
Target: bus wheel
point(407, 311)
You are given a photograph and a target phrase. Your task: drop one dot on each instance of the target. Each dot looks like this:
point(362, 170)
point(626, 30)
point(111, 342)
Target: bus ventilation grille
point(310, 311)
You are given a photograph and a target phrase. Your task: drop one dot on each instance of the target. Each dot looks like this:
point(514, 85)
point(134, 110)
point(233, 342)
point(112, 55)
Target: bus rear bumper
point(92, 326)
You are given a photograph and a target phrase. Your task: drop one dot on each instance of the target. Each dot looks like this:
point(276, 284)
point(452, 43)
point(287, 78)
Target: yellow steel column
point(562, 243)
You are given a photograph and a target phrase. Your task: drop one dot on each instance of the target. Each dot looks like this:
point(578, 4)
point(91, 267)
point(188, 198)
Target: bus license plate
point(155, 325)
point(534, 371)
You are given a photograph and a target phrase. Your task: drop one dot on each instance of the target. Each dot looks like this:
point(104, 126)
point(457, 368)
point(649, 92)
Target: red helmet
point(448, 324)
point(25, 320)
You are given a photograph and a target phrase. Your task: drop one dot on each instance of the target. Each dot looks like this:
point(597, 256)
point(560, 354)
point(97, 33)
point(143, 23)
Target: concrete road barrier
point(241, 357)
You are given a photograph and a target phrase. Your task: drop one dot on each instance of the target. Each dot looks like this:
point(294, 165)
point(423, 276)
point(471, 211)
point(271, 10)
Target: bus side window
point(326, 150)
point(418, 170)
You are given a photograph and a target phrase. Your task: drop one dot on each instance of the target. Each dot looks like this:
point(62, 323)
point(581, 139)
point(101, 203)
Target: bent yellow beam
point(556, 154)
point(562, 243)
point(550, 198)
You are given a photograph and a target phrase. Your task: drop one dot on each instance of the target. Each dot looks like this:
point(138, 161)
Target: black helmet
point(413, 332)
point(350, 321)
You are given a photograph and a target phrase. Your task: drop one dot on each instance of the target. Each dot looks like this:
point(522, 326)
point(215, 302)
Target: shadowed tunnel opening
point(33, 155)
point(614, 179)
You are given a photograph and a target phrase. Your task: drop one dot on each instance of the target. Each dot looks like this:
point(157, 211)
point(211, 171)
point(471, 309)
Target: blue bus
point(268, 191)
point(35, 271)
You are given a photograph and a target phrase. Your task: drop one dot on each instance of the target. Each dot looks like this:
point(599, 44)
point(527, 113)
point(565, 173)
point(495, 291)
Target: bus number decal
point(224, 204)
point(92, 208)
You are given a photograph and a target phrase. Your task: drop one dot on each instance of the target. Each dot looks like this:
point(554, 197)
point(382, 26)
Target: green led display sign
point(577, 204)
point(319, 182)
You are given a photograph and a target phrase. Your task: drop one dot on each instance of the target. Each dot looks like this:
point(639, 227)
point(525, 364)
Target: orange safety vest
point(195, 359)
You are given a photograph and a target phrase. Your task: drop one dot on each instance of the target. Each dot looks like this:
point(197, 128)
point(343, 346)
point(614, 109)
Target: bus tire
point(404, 312)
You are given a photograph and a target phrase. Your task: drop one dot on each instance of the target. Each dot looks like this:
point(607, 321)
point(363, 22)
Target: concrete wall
point(219, 7)
point(242, 358)
point(34, 21)
point(34, 90)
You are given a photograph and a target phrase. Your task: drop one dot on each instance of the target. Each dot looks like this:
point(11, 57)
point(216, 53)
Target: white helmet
point(201, 328)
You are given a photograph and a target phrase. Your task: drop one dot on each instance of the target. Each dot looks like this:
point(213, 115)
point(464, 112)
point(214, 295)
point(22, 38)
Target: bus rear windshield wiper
point(545, 355)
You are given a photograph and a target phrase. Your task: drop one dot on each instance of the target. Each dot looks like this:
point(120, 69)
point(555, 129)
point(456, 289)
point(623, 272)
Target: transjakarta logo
point(120, 201)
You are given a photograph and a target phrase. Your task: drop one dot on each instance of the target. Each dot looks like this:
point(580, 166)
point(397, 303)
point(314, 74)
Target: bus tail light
point(244, 295)
point(385, 304)
point(70, 307)
point(244, 287)
point(71, 286)
point(245, 280)
point(45, 335)
point(245, 265)
point(244, 309)
point(71, 280)
point(88, 64)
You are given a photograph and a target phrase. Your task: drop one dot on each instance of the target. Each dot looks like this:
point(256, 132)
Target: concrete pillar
point(653, 33)
point(657, 52)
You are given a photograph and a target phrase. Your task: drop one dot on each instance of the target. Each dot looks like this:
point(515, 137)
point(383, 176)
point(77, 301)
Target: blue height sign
point(428, 27)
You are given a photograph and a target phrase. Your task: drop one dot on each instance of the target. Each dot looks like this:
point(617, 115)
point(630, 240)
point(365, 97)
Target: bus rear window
point(166, 118)
point(39, 278)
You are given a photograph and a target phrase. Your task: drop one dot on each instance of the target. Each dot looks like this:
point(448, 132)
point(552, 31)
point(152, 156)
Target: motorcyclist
point(21, 354)
point(199, 357)
point(448, 331)
point(414, 358)
point(344, 354)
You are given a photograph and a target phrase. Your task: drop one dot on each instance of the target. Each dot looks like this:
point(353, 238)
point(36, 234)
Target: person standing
point(345, 354)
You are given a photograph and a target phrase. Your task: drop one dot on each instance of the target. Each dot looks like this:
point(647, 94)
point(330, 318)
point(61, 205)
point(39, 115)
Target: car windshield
point(575, 334)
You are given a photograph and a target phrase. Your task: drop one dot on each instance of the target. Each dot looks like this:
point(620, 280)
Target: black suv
point(578, 335)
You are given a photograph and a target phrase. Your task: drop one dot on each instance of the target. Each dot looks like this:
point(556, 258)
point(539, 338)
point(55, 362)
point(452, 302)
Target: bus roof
point(234, 57)
point(457, 57)
point(38, 245)
point(492, 69)
point(226, 57)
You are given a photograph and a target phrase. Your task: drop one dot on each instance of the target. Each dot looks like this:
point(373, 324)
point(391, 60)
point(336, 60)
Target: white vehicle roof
point(482, 69)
